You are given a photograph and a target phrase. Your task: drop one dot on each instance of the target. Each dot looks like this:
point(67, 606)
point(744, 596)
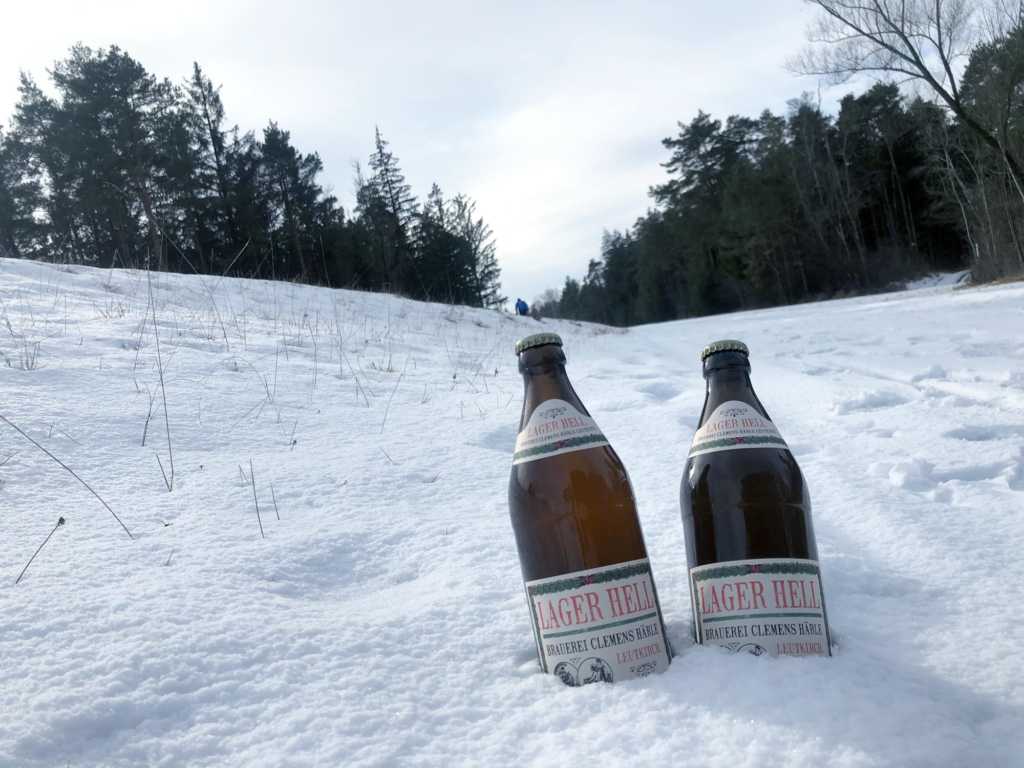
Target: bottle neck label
point(556, 427)
point(599, 625)
point(771, 606)
point(734, 425)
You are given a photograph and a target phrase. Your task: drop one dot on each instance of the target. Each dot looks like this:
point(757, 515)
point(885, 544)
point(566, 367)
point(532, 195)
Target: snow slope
point(381, 621)
point(940, 279)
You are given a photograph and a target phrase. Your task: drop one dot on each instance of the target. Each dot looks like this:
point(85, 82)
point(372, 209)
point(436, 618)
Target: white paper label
point(556, 427)
point(733, 425)
point(768, 606)
point(602, 624)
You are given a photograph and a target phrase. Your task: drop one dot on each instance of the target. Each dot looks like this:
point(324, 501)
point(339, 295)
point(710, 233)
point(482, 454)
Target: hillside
point(379, 618)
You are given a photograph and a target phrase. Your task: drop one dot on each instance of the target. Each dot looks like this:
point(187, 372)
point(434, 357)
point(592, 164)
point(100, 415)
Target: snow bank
point(381, 621)
point(939, 280)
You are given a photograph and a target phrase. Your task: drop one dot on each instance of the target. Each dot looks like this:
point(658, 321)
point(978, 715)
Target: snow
point(939, 279)
point(381, 621)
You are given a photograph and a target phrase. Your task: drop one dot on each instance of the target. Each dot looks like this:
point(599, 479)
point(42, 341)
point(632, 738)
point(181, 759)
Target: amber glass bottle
point(589, 588)
point(755, 584)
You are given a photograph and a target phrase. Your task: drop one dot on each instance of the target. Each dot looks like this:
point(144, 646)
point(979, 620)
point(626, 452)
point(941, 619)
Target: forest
point(922, 170)
point(777, 209)
point(121, 168)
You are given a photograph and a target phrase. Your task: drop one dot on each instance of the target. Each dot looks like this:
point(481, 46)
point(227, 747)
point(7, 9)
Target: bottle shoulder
point(769, 471)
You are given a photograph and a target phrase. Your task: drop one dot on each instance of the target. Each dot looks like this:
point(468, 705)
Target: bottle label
point(555, 427)
point(770, 606)
point(735, 424)
point(603, 624)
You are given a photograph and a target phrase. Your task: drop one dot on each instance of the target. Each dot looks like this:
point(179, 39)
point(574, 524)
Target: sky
point(549, 115)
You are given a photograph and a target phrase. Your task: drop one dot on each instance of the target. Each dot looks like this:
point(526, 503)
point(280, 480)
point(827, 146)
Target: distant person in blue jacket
point(522, 308)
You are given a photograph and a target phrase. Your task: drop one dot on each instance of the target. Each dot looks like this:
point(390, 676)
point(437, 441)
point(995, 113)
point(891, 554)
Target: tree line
point(776, 209)
point(120, 168)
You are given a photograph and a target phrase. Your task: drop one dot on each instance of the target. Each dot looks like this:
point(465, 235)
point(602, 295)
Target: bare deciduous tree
point(920, 40)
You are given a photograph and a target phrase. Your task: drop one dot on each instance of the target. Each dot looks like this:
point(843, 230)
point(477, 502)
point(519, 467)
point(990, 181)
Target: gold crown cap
point(724, 345)
point(537, 340)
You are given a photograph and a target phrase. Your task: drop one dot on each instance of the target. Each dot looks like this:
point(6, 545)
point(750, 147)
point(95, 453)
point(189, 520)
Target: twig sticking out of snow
point(252, 476)
point(60, 522)
point(160, 369)
point(21, 432)
point(392, 397)
point(359, 387)
point(149, 415)
point(162, 470)
point(274, 497)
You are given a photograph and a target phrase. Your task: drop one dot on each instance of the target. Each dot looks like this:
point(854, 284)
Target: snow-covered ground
point(939, 279)
point(381, 621)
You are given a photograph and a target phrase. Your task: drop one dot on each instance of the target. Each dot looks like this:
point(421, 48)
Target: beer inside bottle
point(589, 587)
point(755, 585)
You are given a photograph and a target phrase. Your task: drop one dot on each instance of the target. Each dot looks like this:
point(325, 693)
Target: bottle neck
point(728, 379)
point(544, 378)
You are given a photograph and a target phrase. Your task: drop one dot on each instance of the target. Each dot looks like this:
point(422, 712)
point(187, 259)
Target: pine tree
point(118, 167)
point(388, 207)
point(288, 179)
point(20, 196)
point(442, 261)
point(482, 252)
point(389, 181)
point(113, 151)
point(214, 197)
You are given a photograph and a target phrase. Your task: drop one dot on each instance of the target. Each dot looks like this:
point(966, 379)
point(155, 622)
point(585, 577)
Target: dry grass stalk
point(252, 476)
point(60, 522)
point(160, 369)
point(74, 474)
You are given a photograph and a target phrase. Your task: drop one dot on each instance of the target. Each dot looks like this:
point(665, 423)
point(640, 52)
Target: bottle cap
point(537, 340)
point(725, 345)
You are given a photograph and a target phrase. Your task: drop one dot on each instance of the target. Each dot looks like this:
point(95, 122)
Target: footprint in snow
point(816, 370)
point(983, 350)
point(935, 372)
point(870, 401)
point(609, 406)
point(1014, 380)
point(1015, 475)
point(660, 390)
point(329, 564)
point(920, 475)
point(983, 434)
point(502, 439)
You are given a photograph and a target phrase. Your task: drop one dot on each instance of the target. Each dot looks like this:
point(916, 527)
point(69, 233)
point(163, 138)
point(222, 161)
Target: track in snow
point(382, 622)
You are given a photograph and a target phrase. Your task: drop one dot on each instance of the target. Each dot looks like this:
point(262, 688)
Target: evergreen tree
point(20, 197)
point(117, 167)
point(442, 261)
point(213, 202)
point(620, 278)
point(486, 274)
point(288, 181)
point(112, 151)
point(774, 210)
point(389, 207)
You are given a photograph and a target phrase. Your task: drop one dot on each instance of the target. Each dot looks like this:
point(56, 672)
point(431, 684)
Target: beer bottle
point(589, 588)
point(754, 579)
